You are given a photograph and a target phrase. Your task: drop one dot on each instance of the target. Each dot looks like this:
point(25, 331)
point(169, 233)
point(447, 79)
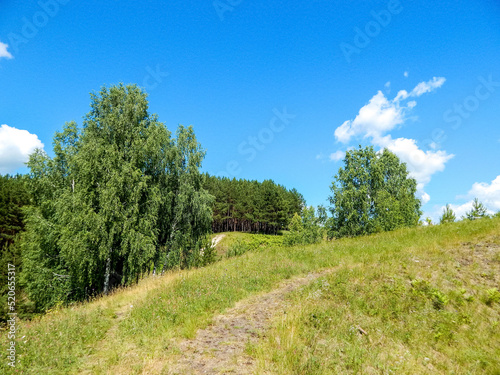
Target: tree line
point(252, 206)
point(123, 197)
point(14, 196)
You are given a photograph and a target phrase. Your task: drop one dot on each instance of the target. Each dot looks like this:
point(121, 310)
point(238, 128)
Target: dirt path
point(219, 349)
point(217, 239)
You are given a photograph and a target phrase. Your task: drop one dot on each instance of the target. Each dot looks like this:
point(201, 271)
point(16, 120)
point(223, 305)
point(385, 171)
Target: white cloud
point(405, 74)
point(431, 85)
point(421, 164)
point(15, 147)
point(4, 52)
point(382, 115)
point(487, 193)
point(378, 116)
point(337, 155)
point(424, 197)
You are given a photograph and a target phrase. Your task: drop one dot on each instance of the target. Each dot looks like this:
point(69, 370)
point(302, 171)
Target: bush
point(304, 229)
point(257, 241)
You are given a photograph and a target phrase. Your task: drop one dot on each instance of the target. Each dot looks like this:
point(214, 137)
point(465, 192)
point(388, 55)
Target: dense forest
point(13, 197)
point(252, 206)
point(121, 198)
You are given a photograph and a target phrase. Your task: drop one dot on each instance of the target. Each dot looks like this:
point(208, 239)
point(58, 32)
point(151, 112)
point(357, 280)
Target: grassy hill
point(422, 300)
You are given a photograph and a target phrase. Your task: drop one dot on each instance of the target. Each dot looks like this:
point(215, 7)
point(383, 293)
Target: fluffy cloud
point(4, 52)
point(15, 147)
point(421, 164)
point(382, 115)
point(424, 87)
point(378, 116)
point(487, 193)
point(420, 89)
point(337, 155)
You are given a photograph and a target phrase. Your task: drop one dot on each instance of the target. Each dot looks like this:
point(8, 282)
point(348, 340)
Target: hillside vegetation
point(251, 206)
point(419, 300)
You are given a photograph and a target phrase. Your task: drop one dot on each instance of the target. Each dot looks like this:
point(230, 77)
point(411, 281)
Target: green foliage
point(13, 198)
point(251, 206)
point(478, 211)
point(372, 193)
point(369, 289)
point(207, 255)
point(305, 229)
point(448, 215)
point(119, 196)
point(492, 296)
point(423, 288)
point(256, 242)
point(296, 229)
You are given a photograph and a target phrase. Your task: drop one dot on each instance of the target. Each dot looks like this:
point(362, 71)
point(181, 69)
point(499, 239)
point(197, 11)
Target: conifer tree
point(478, 211)
point(448, 215)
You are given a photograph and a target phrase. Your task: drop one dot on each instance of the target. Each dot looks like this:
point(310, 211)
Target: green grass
point(428, 309)
point(237, 243)
point(439, 314)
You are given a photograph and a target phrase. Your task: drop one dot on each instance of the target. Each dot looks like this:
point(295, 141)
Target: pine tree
point(448, 215)
point(251, 206)
point(478, 211)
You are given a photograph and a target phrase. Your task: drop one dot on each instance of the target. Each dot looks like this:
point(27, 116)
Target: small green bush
point(492, 296)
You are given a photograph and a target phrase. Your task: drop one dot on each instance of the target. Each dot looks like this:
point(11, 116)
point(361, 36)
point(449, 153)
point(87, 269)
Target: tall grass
point(135, 330)
point(428, 308)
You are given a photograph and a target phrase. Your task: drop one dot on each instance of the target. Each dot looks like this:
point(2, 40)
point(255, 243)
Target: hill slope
point(411, 301)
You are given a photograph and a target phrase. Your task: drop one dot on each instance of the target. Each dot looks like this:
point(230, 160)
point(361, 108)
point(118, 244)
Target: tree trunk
point(106, 275)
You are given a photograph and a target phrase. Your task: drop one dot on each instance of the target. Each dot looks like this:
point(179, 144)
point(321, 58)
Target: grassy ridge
point(430, 309)
point(134, 330)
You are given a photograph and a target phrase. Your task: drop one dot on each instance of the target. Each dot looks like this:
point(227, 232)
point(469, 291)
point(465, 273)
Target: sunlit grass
point(426, 309)
point(135, 330)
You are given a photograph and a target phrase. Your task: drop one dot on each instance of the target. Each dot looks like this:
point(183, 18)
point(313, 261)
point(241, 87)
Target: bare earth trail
point(220, 348)
point(217, 239)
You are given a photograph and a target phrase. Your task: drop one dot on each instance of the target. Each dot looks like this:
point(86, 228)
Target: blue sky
point(275, 90)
